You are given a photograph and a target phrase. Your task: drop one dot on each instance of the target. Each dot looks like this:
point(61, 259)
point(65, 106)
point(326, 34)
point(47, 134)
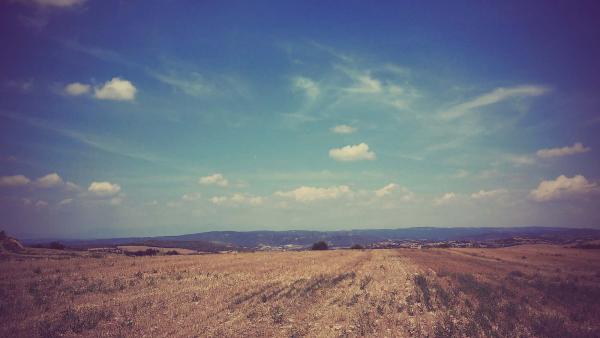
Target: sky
point(139, 118)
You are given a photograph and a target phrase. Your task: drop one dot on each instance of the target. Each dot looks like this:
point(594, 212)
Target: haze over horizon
point(123, 118)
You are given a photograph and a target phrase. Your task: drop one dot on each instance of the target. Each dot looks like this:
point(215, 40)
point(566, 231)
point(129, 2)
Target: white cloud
point(13, 181)
point(495, 96)
point(445, 198)
point(388, 189)
point(460, 173)
point(214, 179)
point(352, 153)
point(521, 160)
point(191, 197)
point(309, 194)
point(49, 181)
point(41, 204)
point(577, 148)
point(104, 189)
point(246, 199)
point(55, 3)
point(117, 200)
point(218, 199)
point(482, 194)
point(116, 89)
point(76, 88)
point(308, 86)
point(71, 186)
point(393, 188)
point(343, 129)
point(563, 187)
point(65, 201)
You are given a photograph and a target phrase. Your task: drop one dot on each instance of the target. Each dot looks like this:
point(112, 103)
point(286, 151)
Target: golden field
point(530, 290)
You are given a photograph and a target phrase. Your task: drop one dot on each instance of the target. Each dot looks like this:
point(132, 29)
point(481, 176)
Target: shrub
point(365, 281)
point(147, 252)
point(421, 282)
point(56, 246)
point(321, 245)
point(172, 252)
point(549, 325)
point(357, 247)
point(151, 252)
point(516, 273)
point(277, 315)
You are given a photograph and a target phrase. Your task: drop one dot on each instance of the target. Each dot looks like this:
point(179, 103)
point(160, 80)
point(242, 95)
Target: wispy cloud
point(54, 3)
point(351, 86)
point(493, 97)
point(577, 148)
point(193, 84)
point(110, 145)
point(445, 199)
point(520, 160)
point(181, 76)
point(214, 179)
point(309, 87)
point(103, 54)
point(21, 85)
point(311, 194)
point(485, 194)
point(343, 129)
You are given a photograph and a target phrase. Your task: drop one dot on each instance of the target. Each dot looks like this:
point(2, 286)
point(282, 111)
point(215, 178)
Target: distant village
point(425, 244)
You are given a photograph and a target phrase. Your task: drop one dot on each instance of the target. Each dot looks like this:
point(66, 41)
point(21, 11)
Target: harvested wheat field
point(542, 291)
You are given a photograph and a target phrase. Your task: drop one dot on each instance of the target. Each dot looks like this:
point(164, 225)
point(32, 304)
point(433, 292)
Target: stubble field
point(535, 290)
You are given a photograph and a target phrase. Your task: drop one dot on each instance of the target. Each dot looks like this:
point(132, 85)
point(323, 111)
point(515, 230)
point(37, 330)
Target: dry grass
point(392, 293)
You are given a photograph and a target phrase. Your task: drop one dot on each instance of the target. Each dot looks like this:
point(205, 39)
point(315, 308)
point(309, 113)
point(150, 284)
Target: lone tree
point(320, 245)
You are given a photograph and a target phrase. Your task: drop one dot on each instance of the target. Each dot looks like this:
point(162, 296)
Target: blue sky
point(126, 118)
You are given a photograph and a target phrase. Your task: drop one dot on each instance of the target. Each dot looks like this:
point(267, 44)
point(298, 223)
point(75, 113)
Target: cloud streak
point(577, 148)
point(214, 179)
point(343, 129)
point(110, 145)
point(495, 96)
point(55, 3)
point(311, 194)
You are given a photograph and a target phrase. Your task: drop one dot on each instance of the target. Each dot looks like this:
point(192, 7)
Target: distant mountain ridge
point(226, 240)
